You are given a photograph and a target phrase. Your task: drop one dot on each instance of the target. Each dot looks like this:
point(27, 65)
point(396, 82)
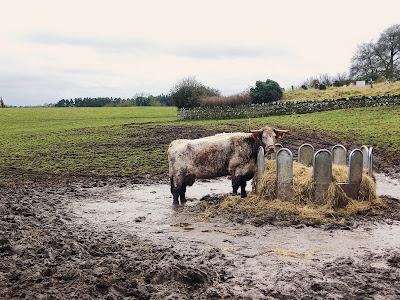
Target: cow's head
point(268, 136)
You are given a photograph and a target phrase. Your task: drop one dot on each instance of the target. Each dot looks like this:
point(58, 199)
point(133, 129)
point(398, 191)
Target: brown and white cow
point(233, 154)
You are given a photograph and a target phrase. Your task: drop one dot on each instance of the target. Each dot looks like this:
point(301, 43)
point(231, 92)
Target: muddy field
point(122, 239)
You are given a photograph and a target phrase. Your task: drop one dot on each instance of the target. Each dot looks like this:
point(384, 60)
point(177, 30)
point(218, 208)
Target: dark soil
point(46, 254)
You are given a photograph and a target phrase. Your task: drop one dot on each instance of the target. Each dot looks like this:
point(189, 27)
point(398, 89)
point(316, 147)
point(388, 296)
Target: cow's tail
point(172, 183)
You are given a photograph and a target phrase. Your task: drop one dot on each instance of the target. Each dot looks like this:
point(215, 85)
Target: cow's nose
point(271, 149)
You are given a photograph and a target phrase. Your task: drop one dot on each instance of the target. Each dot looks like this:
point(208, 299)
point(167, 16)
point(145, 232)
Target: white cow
point(233, 154)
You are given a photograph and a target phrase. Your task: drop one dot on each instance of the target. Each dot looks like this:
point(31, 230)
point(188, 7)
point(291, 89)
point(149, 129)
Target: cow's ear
point(256, 134)
point(280, 133)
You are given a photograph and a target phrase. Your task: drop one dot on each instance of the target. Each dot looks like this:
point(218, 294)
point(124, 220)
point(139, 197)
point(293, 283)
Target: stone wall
point(284, 108)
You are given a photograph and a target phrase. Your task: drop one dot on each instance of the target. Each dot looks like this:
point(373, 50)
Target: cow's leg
point(189, 180)
point(175, 192)
point(235, 184)
point(182, 194)
point(243, 182)
point(175, 195)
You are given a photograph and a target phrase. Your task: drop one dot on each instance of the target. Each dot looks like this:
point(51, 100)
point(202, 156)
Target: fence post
point(306, 155)
point(339, 154)
point(322, 174)
point(352, 187)
point(364, 150)
point(284, 174)
point(370, 161)
point(260, 167)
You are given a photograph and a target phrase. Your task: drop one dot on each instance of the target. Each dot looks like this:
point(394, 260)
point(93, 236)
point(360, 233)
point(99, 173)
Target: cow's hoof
point(183, 201)
point(243, 195)
point(175, 202)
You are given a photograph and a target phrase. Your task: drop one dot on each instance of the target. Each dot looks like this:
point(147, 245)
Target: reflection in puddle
point(141, 205)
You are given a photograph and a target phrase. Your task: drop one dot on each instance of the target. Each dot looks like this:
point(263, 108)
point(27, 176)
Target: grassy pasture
point(89, 142)
point(74, 141)
point(343, 92)
point(378, 127)
point(40, 120)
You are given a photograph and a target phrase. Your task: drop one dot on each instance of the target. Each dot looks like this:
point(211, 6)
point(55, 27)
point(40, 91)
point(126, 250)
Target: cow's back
point(207, 157)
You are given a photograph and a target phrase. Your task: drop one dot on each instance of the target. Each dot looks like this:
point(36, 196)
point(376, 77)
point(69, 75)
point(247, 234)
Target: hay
point(296, 253)
point(264, 205)
point(266, 211)
point(303, 185)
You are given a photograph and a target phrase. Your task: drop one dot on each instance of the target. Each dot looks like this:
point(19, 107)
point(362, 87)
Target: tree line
point(138, 100)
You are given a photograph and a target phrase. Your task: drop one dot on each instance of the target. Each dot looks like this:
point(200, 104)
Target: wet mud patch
point(47, 254)
point(279, 259)
point(117, 240)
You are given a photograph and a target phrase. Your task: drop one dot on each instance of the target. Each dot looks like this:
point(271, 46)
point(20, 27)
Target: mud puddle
point(147, 211)
point(145, 207)
point(273, 261)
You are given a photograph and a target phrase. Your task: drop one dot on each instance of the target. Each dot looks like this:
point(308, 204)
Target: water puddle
point(147, 211)
point(140, 205)
point(387, 186)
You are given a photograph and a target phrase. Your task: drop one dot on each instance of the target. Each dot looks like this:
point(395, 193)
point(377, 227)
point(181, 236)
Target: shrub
point(267, 91)
point(188, 92)
point(234, 100)
point(371, 77)
point(337, 83)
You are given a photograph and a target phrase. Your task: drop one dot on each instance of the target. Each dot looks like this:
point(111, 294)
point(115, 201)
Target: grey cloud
point(104, 43)
point(122, 44)
point(221, 51)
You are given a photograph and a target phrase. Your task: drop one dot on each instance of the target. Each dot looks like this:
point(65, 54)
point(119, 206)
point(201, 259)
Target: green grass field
point(378, 127)
point(40, 120)
point(74, 141)
point(90, 142)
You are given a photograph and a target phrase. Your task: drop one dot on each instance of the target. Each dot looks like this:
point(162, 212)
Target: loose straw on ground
point(301, 206)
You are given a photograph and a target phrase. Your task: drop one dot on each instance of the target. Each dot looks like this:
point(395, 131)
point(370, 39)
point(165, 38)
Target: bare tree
point(310, 82)
point(364, 61)
point(325, 79)
point(341, 79)
point(2, 105)
point(381, 57)
point(388, 49)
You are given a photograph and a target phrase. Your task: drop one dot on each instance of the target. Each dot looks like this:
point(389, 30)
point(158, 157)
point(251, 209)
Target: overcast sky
point(51, 50)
